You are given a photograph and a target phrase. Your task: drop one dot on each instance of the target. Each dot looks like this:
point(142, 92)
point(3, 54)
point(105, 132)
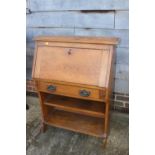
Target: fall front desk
point(74, 80)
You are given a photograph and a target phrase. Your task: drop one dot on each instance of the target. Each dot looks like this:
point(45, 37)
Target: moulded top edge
point(79, 39)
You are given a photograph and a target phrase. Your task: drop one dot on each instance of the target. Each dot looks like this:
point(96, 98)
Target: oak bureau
point(74, 80)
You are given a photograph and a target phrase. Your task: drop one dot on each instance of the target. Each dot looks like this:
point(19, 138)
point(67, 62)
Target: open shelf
point(85, 107)
point(75, 122)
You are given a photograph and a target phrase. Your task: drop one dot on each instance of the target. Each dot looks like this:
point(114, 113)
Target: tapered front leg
point(105, 140)
point(106, 122)
point(43, 111)
point(43, 127)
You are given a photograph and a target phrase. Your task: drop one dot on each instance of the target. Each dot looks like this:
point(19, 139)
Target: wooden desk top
point(78, 39)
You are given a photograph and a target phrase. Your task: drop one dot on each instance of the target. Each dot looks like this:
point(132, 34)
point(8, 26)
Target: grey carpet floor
point(57, 141)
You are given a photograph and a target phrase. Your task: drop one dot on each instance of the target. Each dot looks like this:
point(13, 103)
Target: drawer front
point(71, 91)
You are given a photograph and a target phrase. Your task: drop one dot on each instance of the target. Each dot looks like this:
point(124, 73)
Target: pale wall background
point(82, 18)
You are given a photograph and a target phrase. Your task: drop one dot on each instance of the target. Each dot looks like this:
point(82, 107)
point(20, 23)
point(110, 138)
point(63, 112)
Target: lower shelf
point(75, 122)
point(84, 107)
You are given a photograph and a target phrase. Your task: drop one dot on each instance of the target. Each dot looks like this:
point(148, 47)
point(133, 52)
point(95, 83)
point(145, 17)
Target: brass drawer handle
point(84, 93)
point(51, 88)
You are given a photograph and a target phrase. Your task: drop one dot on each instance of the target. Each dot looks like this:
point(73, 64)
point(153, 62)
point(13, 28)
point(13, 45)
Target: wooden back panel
point(83, 66)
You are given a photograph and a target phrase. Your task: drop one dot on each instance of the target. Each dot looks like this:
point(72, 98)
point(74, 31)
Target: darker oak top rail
point(77, 39)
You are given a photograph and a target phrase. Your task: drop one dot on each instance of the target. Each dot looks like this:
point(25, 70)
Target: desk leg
point(43, 127)
point(43, 111)
point(105, 142)
point(106, 123)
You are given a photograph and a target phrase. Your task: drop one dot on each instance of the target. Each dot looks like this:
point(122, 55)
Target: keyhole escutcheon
point(69, 51)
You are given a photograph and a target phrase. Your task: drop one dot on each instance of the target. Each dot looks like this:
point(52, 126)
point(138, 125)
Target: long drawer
point(72, 91)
